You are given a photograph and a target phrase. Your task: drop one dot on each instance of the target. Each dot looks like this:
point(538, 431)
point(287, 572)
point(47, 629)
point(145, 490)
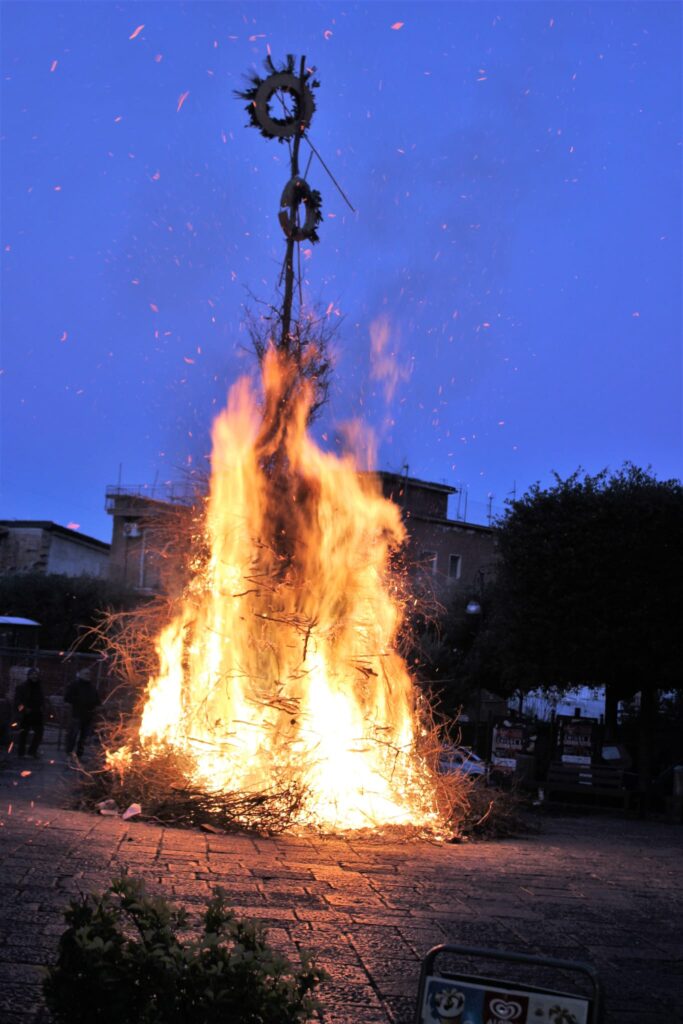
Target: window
point(428, 562)
point(454, 564)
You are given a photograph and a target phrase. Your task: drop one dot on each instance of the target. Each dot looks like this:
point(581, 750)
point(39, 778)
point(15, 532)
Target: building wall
point(76, 559)
point(23, 550)
point(149, 541)
point(473, 546)
point(149, 535)
point(420, 496)
point(46, 547)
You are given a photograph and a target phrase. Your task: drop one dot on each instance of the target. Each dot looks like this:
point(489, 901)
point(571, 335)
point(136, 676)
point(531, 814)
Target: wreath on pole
point(261, 92)
point(296, 192)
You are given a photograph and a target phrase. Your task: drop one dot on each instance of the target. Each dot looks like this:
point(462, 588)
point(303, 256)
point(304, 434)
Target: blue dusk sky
point(516, 172)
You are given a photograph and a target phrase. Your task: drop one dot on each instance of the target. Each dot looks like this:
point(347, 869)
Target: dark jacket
point(83, 698)
point(29, 698)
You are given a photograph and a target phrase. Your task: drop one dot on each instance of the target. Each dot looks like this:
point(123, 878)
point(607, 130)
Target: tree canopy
point(588, 588)
point(65, 606)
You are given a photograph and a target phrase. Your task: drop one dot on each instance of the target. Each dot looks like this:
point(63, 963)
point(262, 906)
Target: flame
point(281, 664)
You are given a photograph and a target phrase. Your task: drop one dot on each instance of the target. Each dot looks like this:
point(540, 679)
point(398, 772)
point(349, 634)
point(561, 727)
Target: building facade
point(28, 545)
point(456, 555)
point(152, 530)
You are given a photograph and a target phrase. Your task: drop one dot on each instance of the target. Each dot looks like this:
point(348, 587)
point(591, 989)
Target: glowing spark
point(73, 526)
point(159, 57)
point(156, 176)
point(190, 362)
point(327, 34)
point(25, 774)
point(153, 306)
point(53, 66)
point(137, 32)
point(398, 25)
point(63, 336)
point(181, 100)
point(57, 188)
point(635, 313)
point(118, 119)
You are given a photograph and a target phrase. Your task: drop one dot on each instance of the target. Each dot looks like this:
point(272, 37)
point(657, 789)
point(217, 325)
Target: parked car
point(461, 759)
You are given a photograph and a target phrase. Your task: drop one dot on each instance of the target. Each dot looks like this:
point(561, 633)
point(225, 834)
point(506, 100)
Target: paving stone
point(603, 889)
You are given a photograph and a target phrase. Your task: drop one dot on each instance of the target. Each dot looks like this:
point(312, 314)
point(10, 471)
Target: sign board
point(507, 741)
point(577, 741)
point(451, 1000)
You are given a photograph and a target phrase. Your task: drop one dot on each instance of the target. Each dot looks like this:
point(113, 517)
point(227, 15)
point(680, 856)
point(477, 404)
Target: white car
point(461, 759)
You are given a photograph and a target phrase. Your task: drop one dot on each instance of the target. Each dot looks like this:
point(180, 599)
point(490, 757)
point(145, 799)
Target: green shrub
point(121, 959)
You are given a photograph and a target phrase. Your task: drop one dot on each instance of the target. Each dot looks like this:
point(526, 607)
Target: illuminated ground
point(600, 888)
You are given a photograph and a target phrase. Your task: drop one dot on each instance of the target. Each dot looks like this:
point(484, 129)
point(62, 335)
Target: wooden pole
point(285, 340)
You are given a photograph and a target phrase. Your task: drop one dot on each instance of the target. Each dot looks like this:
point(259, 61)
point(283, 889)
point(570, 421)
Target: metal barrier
point(470, 999)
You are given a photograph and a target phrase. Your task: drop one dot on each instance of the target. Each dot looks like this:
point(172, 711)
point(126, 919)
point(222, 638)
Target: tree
point(588, 590)
point(65, 606)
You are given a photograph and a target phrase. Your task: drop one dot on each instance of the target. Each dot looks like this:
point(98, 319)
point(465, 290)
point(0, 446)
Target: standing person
point(82, 695)
point(30, 703)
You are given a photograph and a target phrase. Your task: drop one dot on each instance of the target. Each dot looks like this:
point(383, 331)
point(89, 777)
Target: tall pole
point(291, 242)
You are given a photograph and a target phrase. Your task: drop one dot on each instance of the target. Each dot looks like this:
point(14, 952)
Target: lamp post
point(475, 611)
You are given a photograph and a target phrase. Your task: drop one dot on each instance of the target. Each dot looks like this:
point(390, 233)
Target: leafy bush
point(121, 959)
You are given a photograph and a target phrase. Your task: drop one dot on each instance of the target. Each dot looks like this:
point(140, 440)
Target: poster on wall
point(508, 740)
point(576, 740)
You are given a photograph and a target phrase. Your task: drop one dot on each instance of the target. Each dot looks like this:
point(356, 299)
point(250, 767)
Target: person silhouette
point(82, 695)
point(30, 704)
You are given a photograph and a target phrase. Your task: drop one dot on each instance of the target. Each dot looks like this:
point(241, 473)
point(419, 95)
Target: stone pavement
point(602, 889)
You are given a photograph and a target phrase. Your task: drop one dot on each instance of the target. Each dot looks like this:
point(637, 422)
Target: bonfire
point(280, 672)
point(280, 698)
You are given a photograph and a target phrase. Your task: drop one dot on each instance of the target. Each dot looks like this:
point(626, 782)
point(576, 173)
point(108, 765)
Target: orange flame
point(281, 663)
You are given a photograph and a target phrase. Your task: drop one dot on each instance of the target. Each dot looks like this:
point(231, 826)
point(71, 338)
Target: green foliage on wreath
point(316, 204)
point(122, 958)
point(256, 81)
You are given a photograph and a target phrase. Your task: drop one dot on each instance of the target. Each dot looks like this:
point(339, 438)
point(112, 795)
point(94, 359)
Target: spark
point(635, 313)
point(137, 32)
point(53, 66)
point(73, 526)
point(63, 336)
point(25, 774)
point(327, 34)
point(181, 100)
point(190, 362)
point(57, 188)
point(158, 58)
point(156, 176)
point(398, 25)
point(153, 306)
